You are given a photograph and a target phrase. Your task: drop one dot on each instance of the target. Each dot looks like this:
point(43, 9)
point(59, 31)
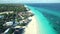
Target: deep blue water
point(50, 6)
point(52, 13)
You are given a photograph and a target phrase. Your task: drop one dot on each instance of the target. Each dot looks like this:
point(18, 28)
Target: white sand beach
point(32, 27)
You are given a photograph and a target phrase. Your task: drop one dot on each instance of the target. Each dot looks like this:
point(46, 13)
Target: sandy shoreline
point(32, 27)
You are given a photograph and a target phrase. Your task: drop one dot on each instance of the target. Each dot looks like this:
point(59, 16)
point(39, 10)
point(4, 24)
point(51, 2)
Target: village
point(13, 18)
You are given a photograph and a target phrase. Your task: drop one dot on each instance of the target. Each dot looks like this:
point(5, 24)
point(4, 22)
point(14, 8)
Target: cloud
point(29, 1)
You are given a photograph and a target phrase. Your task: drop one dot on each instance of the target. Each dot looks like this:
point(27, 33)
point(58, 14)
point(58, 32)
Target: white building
point(9, 23)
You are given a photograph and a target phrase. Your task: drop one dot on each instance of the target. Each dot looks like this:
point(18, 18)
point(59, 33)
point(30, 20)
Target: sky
point(29, 1)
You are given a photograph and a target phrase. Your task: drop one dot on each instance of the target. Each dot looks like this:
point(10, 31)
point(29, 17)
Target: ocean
point(50, 6)
point(48, 16)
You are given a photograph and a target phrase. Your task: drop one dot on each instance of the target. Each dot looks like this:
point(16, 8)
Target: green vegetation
point(7, 16)
point(22, 24)
point(12, 7)
point(11, 31)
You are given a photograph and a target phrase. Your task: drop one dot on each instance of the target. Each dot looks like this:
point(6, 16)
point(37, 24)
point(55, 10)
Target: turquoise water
point(48, 11)
point(44, 27)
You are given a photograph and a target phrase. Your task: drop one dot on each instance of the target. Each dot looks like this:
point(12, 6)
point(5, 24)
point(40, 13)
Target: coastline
point(44, 26)
point(32, 28)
